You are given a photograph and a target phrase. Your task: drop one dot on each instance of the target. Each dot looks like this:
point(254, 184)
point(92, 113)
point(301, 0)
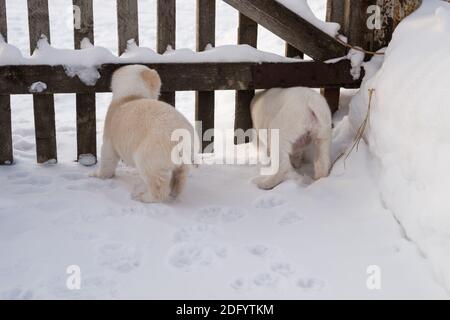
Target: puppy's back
point(148, 124)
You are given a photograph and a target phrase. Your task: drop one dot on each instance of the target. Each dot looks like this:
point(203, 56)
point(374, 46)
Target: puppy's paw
point(264, 183)
point(144, 197)
point(100, 175)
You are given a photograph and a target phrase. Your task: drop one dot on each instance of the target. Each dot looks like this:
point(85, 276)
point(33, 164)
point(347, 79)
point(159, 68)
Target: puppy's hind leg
point(108, 162)
point(179, 178)
point(157, 180)
point(270, 182)
point(322, 158)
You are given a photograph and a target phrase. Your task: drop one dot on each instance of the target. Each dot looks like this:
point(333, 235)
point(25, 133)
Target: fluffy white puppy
point(303, 117)
point(138, 130)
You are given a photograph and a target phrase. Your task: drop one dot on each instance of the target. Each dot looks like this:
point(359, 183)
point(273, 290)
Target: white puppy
point(303, 117)
point(138, 130)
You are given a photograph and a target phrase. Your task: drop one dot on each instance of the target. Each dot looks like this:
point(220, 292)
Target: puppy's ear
point(152, 81)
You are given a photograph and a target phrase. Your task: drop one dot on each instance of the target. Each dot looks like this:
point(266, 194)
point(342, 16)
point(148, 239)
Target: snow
point(93, 56)
point(38, 87)
point(87, 160)
point(303, 9)
point(409, 129)
point(223, 238)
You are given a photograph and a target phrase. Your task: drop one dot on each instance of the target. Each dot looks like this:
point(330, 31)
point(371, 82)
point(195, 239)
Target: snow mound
point(409, 131)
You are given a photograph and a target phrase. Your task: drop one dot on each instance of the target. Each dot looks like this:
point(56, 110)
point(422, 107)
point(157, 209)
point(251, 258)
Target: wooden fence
point(204, 78)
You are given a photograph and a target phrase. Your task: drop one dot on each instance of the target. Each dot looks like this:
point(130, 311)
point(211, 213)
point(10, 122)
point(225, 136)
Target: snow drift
point(409, 132)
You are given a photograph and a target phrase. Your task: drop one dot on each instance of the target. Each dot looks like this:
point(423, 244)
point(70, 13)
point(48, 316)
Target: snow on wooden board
point(302, 8)
point(89, 55)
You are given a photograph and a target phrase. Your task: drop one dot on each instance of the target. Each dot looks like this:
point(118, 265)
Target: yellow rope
point(358, 48)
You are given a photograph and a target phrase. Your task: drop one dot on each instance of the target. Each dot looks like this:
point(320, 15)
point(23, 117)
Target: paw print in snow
point(284, 269)
point(266, 280)
point(188, 256)
point(196, 233)
point(290, 217)
point(269, 201)
point(119, 257)
point(311, 284)
point(219, 214)
point(17, 294)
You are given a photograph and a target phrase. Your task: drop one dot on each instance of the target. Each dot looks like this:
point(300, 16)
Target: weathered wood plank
point(206, 35)
point(38, 22)
point(6, 150)
point(335, 13)
point(44, 106)
point(247, 34)
point(3, 21)
point(355, 23)
point(127, 23)
point(307, 74)
point(188, 77)
point(333, 96)
point(293, 52)
point(85, 103)
point(84, 23)
point(291, 28)
point(166, 36)
point(392, 13)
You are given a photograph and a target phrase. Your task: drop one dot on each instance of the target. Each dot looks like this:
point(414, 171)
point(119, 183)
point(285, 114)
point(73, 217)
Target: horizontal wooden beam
point(291, 27)
point(187, 77)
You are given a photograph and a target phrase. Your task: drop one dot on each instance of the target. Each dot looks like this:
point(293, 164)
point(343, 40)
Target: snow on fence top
point(90, 55)
point(302, 8)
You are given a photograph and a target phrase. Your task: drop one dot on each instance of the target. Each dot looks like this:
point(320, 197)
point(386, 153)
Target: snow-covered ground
point(223, 238)
point(409, 131)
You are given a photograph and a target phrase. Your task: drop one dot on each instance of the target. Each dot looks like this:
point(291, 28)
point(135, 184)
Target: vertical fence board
point(85, 103)
point(206, 34)
point(3, 21)
point(392, 13)
point(247, 34)
point(335, 13)
point(6, 150)
point(127, 23)
point(44, 105)
point(355, 22)
point(166, 36)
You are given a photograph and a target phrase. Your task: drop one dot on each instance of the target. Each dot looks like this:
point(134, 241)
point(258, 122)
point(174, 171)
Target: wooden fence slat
point(6, 150)
point(336, 12)
point(333, 96)
point(355, 22)
point(247, 34)
point(3, 21)
point(392, 13)
point(166, 36)
point(290, 27)
point(127, 23)
point(206, 34)
point(85, 103)
point(188, 77)
point(44, 106)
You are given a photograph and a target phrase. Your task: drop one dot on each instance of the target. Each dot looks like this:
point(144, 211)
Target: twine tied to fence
point(359, 133)
point(373, 53)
